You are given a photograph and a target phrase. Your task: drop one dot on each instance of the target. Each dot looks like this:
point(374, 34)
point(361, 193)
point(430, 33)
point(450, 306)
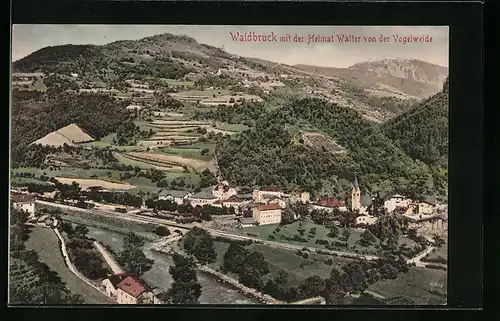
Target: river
point(213, 292)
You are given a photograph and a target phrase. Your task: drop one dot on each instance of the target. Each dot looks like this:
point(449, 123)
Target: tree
point(132, 257)
point(311, 287)
point(185, 288)
point(199, 243)
point(253, 269)
point(234, 257)
point(333, 287)
point(162, 231)
point(80, 231)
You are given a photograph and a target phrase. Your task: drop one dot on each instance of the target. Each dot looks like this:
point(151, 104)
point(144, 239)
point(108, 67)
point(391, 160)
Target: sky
point(29, 38)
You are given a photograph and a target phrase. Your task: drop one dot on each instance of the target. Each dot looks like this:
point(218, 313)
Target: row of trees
point(31, 281)
point(82, 252)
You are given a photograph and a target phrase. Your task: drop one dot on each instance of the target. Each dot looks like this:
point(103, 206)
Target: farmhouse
point(70, 135)
point(127, 289)
point(24, 203)
point(202, 198)
point(259, 196)
point(267, 214)
point(178, 197)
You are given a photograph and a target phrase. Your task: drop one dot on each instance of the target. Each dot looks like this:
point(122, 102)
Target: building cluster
point(24, 203)
point(126, 288)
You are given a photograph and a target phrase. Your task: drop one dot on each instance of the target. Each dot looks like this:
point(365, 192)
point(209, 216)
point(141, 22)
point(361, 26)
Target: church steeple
point(355, 195)
point(356, 185)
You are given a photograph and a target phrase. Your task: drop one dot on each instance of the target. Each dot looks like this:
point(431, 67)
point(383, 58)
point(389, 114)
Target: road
point(115, 267)
point(145, 219)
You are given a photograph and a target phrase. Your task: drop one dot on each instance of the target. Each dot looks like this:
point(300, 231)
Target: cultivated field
point(422, 286)
point(146, 163)
point(46, 244)
point(321, 141)
point(169, 160)
point(86, 183)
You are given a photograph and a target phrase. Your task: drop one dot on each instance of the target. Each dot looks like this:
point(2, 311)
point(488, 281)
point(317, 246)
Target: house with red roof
point(126, 288)
point(267, 214)
point(329, 204)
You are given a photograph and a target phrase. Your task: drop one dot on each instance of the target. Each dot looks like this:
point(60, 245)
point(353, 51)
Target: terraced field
point(167, 160)
point(134, 160)
point(321, 141)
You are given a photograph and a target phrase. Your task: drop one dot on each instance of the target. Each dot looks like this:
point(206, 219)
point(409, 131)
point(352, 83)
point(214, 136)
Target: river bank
point(164, 247)
point(213, 291)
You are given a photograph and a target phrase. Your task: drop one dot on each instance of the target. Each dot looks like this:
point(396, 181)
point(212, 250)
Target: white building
point(232, 201)
point(267, 214)
point(202, 198)
point(259, 196)
point(366, 219)
point(128, 289)
point(175, 196)
point(24, 203)
point(223, 191)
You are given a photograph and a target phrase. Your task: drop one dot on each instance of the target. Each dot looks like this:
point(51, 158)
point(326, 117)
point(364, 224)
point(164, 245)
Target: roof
point(355, 184)
point(70, 135)
point(22, 198)
point(117, 278)
point(268, 207)
point(203, 195)
point(366, 200)
point(330, 202)
point(271, 189)
point(384, 195)
point(174, 193)
point(133, 286)
point(269, 196)
point(244, 196)
point(246, 220)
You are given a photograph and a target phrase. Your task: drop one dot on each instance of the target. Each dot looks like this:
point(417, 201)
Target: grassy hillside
point(275, 154)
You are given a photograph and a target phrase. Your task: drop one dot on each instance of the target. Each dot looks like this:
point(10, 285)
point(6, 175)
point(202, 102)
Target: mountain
point(403, 78)
point(376, 90)
point(276, 153)
point(422, 132)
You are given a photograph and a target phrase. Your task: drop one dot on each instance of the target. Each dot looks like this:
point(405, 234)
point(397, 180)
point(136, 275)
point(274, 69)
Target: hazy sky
point(29, 38)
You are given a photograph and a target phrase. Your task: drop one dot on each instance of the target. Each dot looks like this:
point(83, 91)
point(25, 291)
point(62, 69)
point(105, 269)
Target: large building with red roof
point(329, 204)
point(267, 214)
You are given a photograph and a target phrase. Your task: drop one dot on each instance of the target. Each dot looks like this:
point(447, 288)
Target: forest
point(423, 131)
point(273, 153)
point(35, 116)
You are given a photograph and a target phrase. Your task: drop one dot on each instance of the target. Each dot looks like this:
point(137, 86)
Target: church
point(359, 203)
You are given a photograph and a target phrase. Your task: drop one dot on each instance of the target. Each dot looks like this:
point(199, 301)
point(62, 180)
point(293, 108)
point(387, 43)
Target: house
point(175, 196)
point(224, 191)
point(24, 203)
point(329, 204)
point(425, 207)
point(246, 221)
point(392, 202)
point(267, 214)
point(366, 220)
point(232, 201)
point(303, 197)
point(128, 289)
point(259, 196)
point(202, 198)
point(276, 200)
point(429, 224)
